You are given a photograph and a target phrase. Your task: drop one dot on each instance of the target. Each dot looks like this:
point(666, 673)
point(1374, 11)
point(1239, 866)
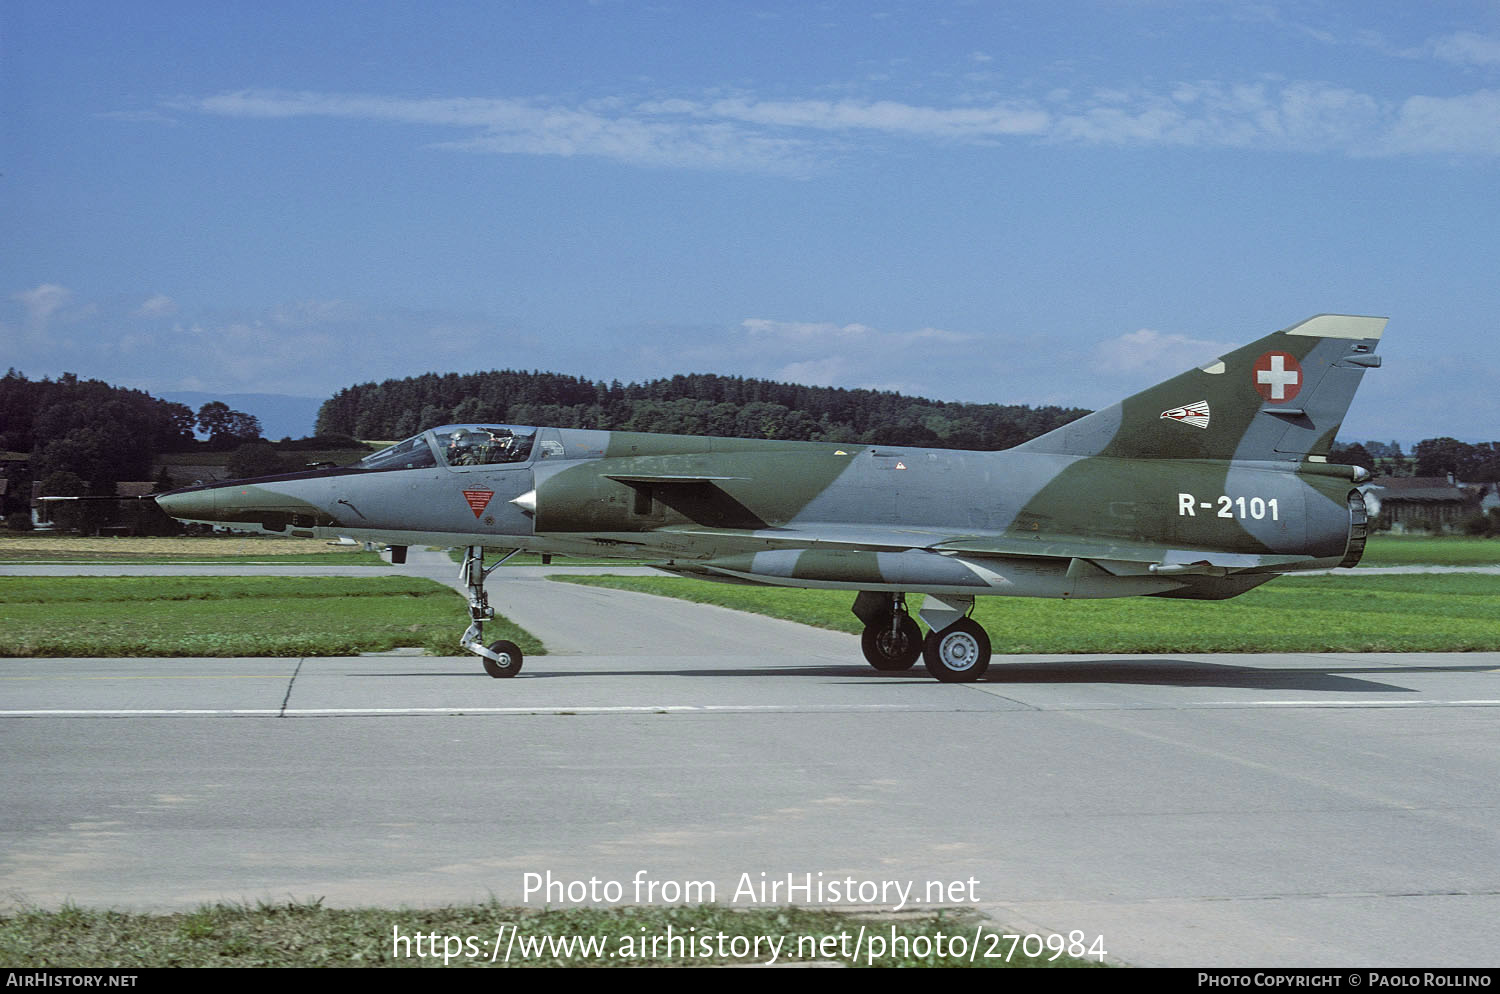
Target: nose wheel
point(506, 661)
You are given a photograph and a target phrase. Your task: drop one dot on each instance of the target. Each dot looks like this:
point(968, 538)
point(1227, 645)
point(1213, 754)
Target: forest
point(81, 437)
point(699, 404)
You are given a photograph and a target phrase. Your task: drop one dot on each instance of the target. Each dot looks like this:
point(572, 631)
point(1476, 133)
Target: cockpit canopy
point(476, 445)
point(457, 445)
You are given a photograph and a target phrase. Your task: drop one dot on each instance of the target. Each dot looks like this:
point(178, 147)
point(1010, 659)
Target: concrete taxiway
point(1193, 810)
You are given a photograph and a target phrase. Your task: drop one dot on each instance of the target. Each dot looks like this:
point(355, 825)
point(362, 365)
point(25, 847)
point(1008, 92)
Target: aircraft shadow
point(1133, 671)
point(1188, 673)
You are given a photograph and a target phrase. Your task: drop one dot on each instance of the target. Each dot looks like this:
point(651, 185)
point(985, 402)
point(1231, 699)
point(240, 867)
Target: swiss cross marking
point(478, 500)
point(1278, 376)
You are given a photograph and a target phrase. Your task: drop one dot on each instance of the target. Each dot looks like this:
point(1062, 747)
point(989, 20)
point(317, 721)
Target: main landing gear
point(959, 653)
point(501, 658)
point(956, 650)
point(892, 640)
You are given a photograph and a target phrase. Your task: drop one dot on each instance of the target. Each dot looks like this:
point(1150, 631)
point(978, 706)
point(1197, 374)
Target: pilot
point(505, 445)
point(460, 449)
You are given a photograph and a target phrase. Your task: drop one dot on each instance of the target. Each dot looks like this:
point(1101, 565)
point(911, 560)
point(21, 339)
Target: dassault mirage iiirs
point(1203, 486)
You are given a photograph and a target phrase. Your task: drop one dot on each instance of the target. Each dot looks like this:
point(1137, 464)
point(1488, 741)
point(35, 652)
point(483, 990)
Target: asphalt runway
point(1193, 810)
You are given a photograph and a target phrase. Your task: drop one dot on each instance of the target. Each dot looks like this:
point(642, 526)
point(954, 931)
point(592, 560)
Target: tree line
point(699, 404)
point(80, 437)
point(1466, 462)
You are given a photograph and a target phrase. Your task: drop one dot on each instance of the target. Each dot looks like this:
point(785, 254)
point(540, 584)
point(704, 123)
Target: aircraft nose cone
point(193, 503)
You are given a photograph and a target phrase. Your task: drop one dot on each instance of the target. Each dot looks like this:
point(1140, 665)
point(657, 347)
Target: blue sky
point(1013, 202)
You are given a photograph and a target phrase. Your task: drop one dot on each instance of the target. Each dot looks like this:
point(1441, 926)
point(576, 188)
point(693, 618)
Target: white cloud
point(1468, 49)
point(42, 302)
point(309, 313)
point(820, 336)
point(1465, 48)
point(831, 371)
point(806, 334)
point(851, 355)
point(1466, 125)
point(802, 136)
point(157, 306)
point(885, 116)
point(138, 117)
point(150, 346)
point(541, 126)
point(49, 313)
point(1299, 116)
point(1162, 355)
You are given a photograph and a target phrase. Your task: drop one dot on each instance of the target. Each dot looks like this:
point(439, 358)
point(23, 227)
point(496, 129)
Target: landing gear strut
point(501, 658)
point(892, 640)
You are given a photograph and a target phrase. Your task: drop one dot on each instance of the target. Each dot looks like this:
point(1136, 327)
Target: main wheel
point(510, 659)
point(891, 651)
point(959, 653)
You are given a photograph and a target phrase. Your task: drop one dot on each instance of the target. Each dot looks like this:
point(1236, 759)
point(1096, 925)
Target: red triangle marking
point(478, 500)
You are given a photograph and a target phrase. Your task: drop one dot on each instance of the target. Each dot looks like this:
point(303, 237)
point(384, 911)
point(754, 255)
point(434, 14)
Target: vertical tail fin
point(1282, 397)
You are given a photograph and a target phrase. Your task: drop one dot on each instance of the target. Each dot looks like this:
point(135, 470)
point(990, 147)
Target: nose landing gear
point(501, 658)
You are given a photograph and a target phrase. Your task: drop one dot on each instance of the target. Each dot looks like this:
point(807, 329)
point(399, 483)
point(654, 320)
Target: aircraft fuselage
point(1202, 486)
point(818, 508)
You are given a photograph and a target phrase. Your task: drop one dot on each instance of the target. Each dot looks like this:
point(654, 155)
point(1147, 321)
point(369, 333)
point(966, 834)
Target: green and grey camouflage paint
point(1202, 486)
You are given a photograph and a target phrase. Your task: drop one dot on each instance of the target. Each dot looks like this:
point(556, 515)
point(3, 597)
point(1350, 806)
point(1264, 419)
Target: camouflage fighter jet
point(1203, 486)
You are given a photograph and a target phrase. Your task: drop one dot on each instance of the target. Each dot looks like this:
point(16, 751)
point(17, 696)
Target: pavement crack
point(286, 699)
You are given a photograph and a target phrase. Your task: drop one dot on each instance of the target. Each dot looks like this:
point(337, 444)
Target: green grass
point(234, 616)
point(1341, 613)
point(309, 935)
point(1430, 550)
